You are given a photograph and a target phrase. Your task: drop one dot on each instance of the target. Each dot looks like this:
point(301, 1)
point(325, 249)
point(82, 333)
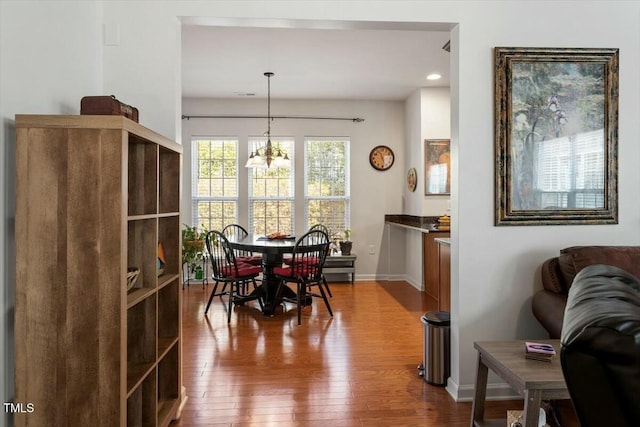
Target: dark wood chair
point(227, 270)
point(305, 270)
point(320, 227)
point(324, 229)
point(237, 231)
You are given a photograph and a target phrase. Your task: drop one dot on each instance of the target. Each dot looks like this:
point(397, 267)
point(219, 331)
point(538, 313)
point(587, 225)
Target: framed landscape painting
point(556, 127)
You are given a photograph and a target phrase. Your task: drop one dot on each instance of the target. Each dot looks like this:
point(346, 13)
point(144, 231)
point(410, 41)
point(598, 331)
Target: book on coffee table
point(539, 351)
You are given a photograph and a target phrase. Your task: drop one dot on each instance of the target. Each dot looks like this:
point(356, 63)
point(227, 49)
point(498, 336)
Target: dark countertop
point(426, 224)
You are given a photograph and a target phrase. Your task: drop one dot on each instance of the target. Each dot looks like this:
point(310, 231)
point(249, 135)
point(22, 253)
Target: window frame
point(261, 141)
point(196, 198)
point(331, 225)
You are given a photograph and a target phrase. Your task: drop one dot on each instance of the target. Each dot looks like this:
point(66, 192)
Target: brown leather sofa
point(548, 305)
point(600, 352)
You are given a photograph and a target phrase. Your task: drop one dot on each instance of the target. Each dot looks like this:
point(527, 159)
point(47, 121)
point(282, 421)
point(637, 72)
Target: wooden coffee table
point(532, 379)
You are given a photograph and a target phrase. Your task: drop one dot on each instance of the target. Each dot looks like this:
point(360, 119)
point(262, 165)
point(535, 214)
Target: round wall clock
point(412, 179)
point(381, 157)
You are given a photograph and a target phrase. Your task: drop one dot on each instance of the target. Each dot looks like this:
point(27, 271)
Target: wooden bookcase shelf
point(94, 196)
point(142, 251)
point(141, 405)
point(168, 396)
point(169, 187)
point(142, 173)
point(169, 235)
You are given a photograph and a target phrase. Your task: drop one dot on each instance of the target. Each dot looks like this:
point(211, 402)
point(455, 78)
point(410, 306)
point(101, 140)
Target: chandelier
point(268, 155)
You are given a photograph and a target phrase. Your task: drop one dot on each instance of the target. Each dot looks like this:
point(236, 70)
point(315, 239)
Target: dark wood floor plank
point(356, 369)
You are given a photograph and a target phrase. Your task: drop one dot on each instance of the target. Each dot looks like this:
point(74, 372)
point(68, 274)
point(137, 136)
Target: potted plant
point(192, 245)
point(346, 244)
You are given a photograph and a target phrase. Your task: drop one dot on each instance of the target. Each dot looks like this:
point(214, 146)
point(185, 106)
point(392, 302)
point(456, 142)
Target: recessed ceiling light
point(433, 76)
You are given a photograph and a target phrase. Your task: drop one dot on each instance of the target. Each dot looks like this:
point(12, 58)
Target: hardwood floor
point(358, 368)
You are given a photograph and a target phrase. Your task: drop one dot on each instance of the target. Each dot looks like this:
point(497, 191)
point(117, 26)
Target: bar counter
point(425, 224)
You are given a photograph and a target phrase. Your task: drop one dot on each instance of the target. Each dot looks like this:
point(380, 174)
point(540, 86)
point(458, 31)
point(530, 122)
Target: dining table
point(273, 251)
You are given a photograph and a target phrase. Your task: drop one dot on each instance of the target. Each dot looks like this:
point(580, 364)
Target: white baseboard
point(367, 277)
point(377, 277)
point(394, 277)
point(413, 282)
point(465, 393)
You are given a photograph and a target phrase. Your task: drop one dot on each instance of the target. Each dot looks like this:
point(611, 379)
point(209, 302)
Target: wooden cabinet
point(444, 277)
point(431, 270)
point(94, 196)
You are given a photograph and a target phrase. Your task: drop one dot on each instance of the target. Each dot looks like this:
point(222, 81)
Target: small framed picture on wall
point(437, 167)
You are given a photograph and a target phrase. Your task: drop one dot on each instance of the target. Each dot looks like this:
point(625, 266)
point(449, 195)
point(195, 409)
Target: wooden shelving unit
point(94, 196)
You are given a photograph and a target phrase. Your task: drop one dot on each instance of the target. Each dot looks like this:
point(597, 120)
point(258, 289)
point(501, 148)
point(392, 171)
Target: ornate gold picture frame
point(556, 130)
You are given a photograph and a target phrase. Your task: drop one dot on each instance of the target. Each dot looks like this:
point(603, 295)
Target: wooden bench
point(341, 264)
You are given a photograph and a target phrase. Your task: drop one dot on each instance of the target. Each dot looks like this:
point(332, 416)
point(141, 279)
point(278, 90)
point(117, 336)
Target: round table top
point(262, 244)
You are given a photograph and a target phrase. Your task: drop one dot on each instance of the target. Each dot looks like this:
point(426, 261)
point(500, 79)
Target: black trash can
point(436, 349)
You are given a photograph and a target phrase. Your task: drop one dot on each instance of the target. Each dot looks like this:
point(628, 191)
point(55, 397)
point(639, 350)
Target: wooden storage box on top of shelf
point(95, 195)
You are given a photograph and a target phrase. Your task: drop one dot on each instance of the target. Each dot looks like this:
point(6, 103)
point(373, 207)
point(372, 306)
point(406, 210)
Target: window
point(570, 171)
point(269, 197)
point(271, 192)
point(215, 183)
point(438, 175)
point(327, 183)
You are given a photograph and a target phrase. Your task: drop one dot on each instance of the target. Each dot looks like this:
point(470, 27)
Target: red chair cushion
point(300, 260)
point(253, 260)
point(298, 270)
point(244, 270)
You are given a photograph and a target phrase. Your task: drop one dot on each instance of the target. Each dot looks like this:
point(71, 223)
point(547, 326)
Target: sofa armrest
point(548, 308)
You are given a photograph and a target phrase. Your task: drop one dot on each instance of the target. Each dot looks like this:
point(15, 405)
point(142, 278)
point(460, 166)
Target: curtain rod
point(355, 120)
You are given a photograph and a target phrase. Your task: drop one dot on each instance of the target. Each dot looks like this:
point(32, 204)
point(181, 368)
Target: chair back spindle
point(320, 227)
point(307, 261)
point(219, 253)
point(238, 232)
point(309, 254)
point(226, 269)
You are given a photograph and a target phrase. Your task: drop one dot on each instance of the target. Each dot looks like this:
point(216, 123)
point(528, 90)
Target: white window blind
point(214, 181)
point(327, 188)
point(570, 171)
point(272, 192)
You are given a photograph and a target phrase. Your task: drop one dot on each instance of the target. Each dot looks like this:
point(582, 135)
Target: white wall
point(143, 67)
point(494, 269)
point(412, 201)
point(427, 116)
point(373, 193)
point(436, 124)
point(497, 268)
point(46, 66)
point(412, 158)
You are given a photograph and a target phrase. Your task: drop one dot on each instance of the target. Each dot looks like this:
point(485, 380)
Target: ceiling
point(367, 64)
